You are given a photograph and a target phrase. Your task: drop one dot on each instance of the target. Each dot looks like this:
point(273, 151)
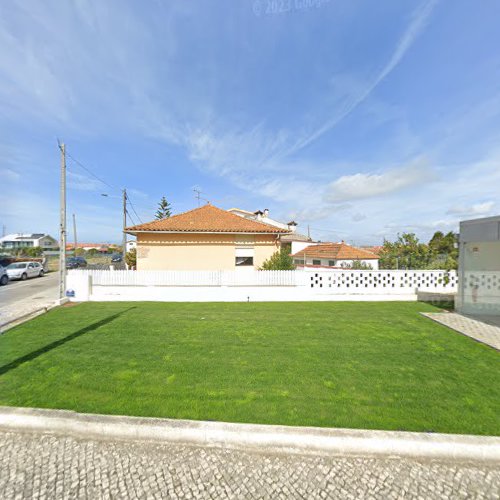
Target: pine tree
point(164, 209)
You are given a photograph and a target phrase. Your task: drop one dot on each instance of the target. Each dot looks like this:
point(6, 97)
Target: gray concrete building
point(479, 267)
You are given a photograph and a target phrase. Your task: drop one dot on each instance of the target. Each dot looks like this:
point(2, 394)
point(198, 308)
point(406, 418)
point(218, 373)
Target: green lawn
point(359, 365)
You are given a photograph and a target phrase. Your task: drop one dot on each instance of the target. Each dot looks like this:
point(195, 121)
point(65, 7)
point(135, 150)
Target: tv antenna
point(198, 196)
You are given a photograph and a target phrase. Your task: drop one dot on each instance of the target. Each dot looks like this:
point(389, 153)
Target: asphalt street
point(18, 297)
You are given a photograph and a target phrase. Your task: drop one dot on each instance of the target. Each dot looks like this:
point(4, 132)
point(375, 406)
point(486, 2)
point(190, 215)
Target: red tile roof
point(206, 219)
point(340, 251)
point(377, 250)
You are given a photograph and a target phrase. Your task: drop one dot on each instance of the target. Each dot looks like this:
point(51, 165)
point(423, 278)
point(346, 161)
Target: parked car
point(116, 257)
point(24, 270)
point(75, 262)
point(4, 277)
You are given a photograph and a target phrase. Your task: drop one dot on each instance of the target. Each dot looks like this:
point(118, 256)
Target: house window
point(331, 262)
point(244, 256)
point(244, 261)
point(316, 262)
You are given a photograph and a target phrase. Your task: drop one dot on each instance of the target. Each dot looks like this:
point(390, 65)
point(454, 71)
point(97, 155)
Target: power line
point(133, 208)
point(131, 218)
point(79, 163)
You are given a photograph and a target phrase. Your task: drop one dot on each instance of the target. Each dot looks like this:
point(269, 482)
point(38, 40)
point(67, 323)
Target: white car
point(24, 270)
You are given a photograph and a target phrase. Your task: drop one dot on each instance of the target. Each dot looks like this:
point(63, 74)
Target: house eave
point(203, 232)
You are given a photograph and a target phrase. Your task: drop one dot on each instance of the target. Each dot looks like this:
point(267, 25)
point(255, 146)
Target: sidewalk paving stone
point(479, 330)
point(37, 465)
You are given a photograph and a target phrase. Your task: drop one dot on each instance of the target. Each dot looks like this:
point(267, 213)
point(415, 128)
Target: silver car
point(24, 270)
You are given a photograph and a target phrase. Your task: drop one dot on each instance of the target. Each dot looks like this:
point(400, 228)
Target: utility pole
point(124, 238)
point(4, 230)
point(62, 227)
point(74, 234)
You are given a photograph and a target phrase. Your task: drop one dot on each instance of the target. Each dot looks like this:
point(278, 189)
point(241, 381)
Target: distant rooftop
point(23, 236)
point(341, 251)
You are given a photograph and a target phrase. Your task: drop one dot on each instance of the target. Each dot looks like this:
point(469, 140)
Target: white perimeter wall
point(231, 286)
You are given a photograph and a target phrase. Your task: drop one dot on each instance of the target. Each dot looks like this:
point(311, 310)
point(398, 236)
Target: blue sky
point(360, 119)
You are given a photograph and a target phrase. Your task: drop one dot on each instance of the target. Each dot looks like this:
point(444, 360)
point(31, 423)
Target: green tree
point(443, 250)
point(164, 209)
point(131, 258)
point(405, 253)
point(280, 260)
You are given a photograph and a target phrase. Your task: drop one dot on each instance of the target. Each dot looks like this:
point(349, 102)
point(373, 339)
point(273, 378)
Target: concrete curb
point(19, 320)
point(268, 438)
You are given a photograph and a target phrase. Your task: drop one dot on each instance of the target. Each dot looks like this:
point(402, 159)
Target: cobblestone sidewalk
point(34, 465)
point(478, 330)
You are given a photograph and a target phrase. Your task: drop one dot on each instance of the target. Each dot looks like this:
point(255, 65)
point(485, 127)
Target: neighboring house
point(30, 240)
point(131, 245)
point(333, 255)
point(205, 238)
point(297, 241)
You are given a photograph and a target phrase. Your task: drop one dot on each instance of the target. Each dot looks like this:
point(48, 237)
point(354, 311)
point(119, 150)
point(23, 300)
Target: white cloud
point(475, 209)
point(362, 185)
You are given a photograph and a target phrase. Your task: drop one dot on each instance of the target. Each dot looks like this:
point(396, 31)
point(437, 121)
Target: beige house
point(206, 238)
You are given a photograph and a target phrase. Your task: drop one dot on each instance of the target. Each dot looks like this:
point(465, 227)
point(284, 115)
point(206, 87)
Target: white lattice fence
point(191, 278)
point(373, 281)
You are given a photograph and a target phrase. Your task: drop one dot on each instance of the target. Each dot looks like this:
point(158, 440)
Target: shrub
point(131, 258)
point(279, 261)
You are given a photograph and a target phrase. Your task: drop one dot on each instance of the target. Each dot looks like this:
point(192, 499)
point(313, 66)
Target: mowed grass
point(357, 365)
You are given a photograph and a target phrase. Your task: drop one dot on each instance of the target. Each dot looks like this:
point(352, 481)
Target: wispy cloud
point(368, 185)
point(238, 153)
point(7, 174)
point(319, 213)
point(82, 182)
point(419, 20)
point(198, 102)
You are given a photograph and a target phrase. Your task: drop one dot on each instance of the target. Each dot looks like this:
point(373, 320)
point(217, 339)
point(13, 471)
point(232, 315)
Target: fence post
point(89, 286)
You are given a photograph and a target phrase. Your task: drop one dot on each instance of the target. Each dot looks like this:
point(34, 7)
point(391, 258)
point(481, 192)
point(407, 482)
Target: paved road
point(35, 465)
point(19, 297)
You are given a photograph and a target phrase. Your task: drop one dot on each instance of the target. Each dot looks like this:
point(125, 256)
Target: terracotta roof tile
point(341, 251)
point(377, 249)
point(207, 219)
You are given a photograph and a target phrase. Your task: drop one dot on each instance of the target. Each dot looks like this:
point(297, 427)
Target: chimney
point(292, 225)
point(266, 212)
